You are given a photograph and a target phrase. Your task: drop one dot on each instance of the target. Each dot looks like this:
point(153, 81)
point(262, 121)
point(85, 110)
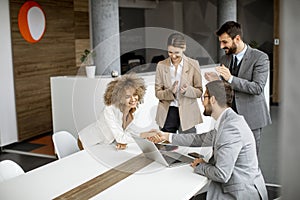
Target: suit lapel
point(185, 71)
point(167, 73)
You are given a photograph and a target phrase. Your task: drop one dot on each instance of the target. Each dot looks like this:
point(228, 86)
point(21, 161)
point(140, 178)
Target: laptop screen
point(162, 153)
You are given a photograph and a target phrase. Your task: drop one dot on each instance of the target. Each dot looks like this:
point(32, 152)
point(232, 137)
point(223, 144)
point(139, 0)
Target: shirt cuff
point(170, 137)
point(230, 79)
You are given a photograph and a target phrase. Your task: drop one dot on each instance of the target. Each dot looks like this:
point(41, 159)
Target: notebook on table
point(167, 158)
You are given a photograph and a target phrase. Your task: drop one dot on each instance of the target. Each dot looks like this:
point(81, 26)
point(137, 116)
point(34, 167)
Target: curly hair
point(115, 90)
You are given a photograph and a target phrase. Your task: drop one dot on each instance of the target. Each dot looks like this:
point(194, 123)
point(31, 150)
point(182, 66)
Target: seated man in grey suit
point(233, 168)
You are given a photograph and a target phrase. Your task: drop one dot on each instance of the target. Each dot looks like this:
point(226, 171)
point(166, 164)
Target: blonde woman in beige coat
point(178, 84)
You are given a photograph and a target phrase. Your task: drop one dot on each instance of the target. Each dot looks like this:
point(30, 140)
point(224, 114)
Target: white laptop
point(167, 158)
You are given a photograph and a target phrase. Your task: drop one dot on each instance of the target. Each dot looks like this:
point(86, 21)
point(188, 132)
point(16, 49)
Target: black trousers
point(172, 123)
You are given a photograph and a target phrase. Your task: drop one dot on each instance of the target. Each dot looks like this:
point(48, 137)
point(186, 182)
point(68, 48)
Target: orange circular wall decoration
point(32, 21)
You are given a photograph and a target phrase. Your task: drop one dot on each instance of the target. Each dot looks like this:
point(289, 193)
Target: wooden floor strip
point(107, 179)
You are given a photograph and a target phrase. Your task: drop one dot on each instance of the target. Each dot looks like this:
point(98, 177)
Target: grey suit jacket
point(249, 87)
point(233, 170)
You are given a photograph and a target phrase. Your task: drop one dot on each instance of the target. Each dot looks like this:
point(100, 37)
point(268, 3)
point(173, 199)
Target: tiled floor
point(30, 154)
point(48, 149)
point(268, 156)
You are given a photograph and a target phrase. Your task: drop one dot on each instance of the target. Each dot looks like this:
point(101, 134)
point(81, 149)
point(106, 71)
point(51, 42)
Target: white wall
point(8, 123)
point(200, 23)
point(167, 15)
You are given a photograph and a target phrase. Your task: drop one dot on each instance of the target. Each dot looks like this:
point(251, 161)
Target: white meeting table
point(154, 181)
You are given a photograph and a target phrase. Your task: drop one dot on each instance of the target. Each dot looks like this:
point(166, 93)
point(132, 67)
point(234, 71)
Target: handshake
point(155, 136)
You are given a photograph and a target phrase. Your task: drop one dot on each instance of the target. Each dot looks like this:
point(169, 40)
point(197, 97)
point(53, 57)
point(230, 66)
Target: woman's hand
point(150, 133)
point(183, 88)
point(120, 146)
point(174, 87)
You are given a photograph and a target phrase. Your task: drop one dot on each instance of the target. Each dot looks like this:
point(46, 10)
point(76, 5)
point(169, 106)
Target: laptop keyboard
point(174, 157)
point(170, 160)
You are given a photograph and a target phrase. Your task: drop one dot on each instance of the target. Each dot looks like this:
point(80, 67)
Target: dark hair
point(231, 28)
point(222, 91)
point(176, 40)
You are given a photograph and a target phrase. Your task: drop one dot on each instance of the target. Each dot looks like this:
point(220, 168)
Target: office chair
point(9, 169)
point(64, 144)
point(274, 191)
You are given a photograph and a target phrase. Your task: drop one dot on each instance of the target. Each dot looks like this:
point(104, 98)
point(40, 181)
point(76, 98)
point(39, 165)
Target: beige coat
point(188, 106)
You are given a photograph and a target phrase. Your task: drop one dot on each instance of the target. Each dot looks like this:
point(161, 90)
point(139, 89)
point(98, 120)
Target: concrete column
point(290, 95)
point(227, 11)
point(105, 35)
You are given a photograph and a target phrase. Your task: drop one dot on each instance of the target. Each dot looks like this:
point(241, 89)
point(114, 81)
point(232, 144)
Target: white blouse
point(107, 129)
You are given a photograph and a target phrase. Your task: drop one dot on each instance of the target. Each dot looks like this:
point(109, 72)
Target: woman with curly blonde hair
point(121, 99)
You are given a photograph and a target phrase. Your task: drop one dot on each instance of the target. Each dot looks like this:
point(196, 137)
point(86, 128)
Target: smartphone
point(195, 155)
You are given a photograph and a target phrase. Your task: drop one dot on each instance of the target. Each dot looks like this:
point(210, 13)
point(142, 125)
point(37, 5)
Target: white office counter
point(77, 102)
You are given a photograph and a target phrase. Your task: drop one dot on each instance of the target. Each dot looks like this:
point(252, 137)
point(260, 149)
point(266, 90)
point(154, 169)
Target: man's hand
point(224, 72)
point(197, 161)
point(155, 136)
point(211, 76)
point(159, 137)
point(150, 133)
point(120, 146)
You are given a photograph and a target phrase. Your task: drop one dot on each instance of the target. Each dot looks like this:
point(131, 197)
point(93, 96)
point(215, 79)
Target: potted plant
point(87, 59)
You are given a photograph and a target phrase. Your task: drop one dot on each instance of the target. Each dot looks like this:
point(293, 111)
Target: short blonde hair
point(176, 40)
point(115, 91)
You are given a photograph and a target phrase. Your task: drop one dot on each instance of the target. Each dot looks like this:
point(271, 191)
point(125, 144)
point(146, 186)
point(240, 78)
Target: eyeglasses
point(203, 97)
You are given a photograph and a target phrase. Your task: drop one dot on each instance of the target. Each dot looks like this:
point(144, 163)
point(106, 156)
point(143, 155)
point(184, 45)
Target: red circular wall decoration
point(32, 21)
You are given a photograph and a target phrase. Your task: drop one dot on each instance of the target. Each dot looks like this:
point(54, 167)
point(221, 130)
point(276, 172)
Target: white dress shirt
point(107, 129)
point(176, 76)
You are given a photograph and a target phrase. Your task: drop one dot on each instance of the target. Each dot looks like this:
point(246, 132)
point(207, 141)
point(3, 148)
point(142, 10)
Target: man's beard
point(231, 50)
point(207, 110)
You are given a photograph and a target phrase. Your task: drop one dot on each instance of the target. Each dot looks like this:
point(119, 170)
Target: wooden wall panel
point(34, 64)
point(81, 25)
point(80, 46)
point(81, 5)
point(82, 32)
